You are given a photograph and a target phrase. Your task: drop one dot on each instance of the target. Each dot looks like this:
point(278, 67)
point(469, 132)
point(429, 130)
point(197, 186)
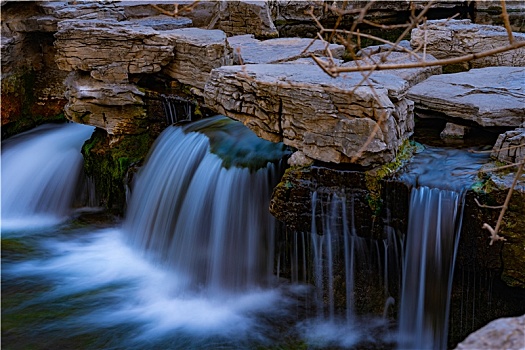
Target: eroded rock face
point(453, 38)
point(327, 119)
point(110, 50)
point(504, 333)
point(117, 108)
point(492, 96)
point(197, 52)
point(249, 50)
point(510, 146)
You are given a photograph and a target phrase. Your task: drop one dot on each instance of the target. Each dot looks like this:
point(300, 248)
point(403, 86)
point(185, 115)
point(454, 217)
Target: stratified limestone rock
point(62, 10)
point(510, 146)
point(117, 108)
point(112, 50)
point(248, 50)
point(244, 17)
point(492, 96)
point(327, 119)
point(504, 333)
point(453, 38)
point(197, 52)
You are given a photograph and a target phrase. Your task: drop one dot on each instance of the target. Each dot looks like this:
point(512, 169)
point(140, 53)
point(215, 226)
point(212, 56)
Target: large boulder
point(492, 96)
point(504, 333)
point(453, 38)
point(328, 119)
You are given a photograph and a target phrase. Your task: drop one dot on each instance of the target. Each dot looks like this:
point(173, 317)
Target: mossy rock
point(110, 165)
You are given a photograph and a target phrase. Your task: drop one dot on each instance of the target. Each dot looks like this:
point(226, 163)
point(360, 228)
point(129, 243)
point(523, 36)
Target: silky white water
point(191, 267)
point(40, 172)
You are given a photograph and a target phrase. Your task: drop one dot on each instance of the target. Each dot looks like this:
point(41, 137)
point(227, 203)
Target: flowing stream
point(439, 178)
point(192, 264)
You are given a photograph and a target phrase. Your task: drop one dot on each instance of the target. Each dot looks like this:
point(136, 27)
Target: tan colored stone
point(327, 119)
point(117, 108)
point(197, 52)
point(103, 45)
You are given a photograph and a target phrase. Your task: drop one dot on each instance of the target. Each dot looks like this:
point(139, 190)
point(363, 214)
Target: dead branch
point(487, 206)
point(335, 71)
point(506, 21)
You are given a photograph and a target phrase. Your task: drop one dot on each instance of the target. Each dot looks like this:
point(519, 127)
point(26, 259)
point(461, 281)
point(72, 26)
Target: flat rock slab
point(327, 119)
point(492, 96)
point(249, 50)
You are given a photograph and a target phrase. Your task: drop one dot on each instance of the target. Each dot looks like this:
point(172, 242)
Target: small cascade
point(435, 217)
point(41, 170)
point(433, 235)
point(200, 205)
point(349, 271)
point(177, 109)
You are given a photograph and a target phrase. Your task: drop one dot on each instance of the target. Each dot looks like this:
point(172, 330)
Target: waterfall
point(200, 205)
point(349, 272)
point(177, 109)
point(435, 218)
point(432, 239)
point(40, 172)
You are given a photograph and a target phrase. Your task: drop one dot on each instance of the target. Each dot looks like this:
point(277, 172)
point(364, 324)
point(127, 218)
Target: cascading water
point(40, 172)
point(439, 177)
point(177, 109)
point(205, 213)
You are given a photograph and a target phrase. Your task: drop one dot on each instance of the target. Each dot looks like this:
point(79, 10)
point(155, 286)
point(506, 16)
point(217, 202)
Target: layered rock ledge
point(327, 119)
point(489, 97)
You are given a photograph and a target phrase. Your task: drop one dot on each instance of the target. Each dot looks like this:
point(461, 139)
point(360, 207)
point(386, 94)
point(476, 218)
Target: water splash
point(209, 223)
point(40, 172)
